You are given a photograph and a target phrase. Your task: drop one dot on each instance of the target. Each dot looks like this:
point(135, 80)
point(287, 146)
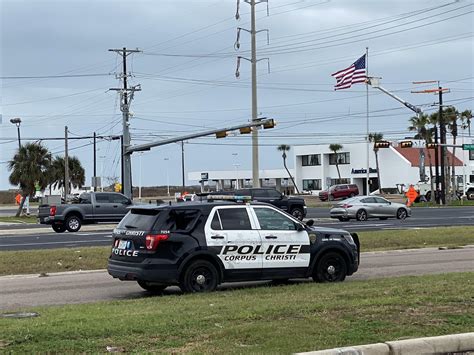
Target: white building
point(316, 166)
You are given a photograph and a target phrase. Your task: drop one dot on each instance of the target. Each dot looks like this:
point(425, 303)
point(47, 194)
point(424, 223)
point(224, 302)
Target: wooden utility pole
point(66, 166)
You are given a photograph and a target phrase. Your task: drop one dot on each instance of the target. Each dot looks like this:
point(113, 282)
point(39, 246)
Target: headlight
point(348, 238)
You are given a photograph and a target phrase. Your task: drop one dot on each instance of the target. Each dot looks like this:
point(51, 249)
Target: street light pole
point(140, 179)
point(17, 121)
point(167, 176)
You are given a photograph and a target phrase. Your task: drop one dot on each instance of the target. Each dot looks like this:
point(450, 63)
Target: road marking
point(69, 242)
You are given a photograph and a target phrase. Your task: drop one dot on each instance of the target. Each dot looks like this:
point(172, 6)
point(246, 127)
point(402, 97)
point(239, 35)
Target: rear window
point(141, 219)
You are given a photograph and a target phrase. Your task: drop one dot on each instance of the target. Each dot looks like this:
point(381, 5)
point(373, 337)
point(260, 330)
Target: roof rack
point(235, 198)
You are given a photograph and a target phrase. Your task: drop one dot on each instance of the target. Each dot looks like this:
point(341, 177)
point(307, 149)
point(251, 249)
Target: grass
point(92, 258)
point(264, 319)
point(22, 219)
point(455, 203)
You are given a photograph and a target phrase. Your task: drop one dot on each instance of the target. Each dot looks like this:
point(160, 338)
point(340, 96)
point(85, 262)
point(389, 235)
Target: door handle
point(271, 237)
point(217, 237)
point(115, 206)
point(97, 206)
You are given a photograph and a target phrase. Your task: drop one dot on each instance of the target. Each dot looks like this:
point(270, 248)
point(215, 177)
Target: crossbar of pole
point(148, 146)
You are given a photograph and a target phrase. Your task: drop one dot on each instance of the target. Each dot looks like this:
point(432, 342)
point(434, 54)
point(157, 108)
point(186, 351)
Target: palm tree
point(285, 148)
point(76, 172)
point(335, 148)
point(29, 168)
point(419, 124)
point(373, 138)
point(467, 114)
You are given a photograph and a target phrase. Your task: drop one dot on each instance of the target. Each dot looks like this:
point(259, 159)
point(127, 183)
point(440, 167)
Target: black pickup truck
point(92, 207)
point(292, 205)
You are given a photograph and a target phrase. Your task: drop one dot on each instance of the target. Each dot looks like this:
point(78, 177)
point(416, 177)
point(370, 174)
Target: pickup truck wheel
point(152, 287)
point(59, 228)
point(330, 268)
point(199, 276)
point(297, 213)
point(73, 223)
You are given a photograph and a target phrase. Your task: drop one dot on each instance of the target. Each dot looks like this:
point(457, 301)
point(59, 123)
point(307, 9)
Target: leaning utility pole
point(126, 99)
point(253, 32)
point(66, 166)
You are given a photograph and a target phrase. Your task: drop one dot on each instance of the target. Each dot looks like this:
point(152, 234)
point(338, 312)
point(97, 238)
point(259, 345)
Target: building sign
point(363, 171)
point(204, 176)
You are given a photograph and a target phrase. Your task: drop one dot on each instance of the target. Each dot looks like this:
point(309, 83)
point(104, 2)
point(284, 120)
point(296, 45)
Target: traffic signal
point(382, 144)
point(221, 134)
point(245, 130)
point(269, 124)
point(406, 144)
point(431, 145)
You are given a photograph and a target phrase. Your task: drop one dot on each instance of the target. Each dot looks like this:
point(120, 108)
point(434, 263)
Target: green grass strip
point(275, 320)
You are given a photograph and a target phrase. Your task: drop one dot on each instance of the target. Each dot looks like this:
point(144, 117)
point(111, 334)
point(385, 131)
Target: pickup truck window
point(116, 198)
point(102, 198)
point(260, 193)
point(85, 198)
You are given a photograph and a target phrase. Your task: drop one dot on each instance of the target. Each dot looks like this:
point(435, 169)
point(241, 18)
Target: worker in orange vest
point(18, 199)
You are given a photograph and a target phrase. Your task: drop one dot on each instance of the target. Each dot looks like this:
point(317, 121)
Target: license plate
point(124, 244)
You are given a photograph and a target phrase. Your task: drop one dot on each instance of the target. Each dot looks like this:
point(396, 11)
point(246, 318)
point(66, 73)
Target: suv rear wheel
point(199, 276)
point(152, 287)
point(73, 223)
point(297, 213)
point(330, 268)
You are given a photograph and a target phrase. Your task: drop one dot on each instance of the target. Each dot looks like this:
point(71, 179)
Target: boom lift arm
point(374, 82)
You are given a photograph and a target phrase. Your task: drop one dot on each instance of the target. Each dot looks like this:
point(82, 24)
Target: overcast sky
point(187, 75)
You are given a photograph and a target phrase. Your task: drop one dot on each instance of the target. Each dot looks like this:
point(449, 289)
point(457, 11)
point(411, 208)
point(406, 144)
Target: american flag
point(354, 74)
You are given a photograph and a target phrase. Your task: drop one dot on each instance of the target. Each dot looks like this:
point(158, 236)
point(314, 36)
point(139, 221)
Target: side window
point(181, 220)
point(274, 194)
point(381, 200)
point(270, 219)
point(235, 219)
point(101, 198)
point(260, 193)
point(116, 198)
point(368, 200)
point(216, 223)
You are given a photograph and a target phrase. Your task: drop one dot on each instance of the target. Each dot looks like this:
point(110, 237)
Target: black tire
point(330, 197)
point(428, 196)
point(152, 287)
point(332, 267)
point(297, 213)
point(73, 223)
point(59, 228)
point(352, 194)
point(199, 276)
point(402, 213)
point(361, 215)
point(343, 219)
point(470, 195)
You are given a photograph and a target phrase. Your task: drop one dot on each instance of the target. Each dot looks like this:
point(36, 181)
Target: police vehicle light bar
point(236, 198)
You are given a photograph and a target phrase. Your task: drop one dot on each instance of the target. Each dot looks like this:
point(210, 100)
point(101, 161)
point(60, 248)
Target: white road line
point(52, 243)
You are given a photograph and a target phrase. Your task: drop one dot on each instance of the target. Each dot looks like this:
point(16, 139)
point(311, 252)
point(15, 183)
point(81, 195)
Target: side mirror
point(310, 222)
point(300, 228)
point(128, 202)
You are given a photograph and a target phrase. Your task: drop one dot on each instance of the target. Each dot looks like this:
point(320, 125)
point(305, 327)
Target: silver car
point(365, 207)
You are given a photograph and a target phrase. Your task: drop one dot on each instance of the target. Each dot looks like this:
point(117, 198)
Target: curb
point(453, 343)
point(52, 274)
point(87, 228)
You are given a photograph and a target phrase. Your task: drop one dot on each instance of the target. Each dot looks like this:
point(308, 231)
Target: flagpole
point(367, 92)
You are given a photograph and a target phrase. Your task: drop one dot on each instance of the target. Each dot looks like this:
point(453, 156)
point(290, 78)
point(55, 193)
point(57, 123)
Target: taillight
point(52, 211)
point(346, 206)
point(152, 240)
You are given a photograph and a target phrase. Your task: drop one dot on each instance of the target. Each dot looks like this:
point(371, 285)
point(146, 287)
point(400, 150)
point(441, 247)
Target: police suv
point(198, 245)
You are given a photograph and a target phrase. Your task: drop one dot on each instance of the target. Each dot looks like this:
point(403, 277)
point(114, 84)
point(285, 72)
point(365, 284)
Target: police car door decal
point(283, 245)
point(231, 234)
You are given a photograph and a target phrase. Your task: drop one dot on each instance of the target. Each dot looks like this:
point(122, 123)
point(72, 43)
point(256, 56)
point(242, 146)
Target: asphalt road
point(11, 238)
point(29, 291)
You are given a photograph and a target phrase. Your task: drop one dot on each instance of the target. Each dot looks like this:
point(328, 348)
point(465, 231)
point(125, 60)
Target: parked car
point(295, 206)
point(90, 208)
point(339, 191)
point(199, 245)
point(365, 207)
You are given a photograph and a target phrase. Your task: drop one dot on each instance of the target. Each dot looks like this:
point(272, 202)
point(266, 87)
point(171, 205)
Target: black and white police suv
point(199, 245)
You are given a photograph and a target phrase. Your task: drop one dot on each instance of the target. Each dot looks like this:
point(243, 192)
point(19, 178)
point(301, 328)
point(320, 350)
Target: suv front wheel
point(199, 276)
point(297, 213)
